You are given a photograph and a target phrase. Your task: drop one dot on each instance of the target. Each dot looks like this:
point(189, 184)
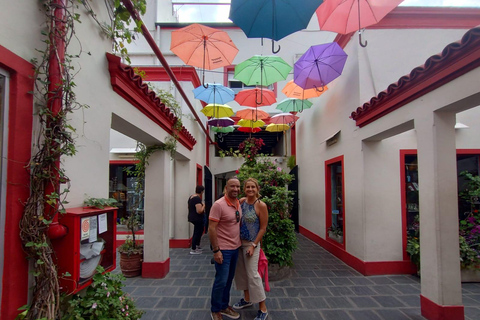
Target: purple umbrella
point(319, 65)
point(221, 122)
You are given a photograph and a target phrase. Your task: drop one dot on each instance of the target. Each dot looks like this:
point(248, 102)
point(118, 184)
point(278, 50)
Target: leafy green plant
point(103, 299)
point(336, 230)
point(100, 203)
point(279, 242)
point(291, 162)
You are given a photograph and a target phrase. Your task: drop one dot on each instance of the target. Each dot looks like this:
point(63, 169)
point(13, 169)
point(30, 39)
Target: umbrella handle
point(318, 90)
point(273, 48)
point(360, 40)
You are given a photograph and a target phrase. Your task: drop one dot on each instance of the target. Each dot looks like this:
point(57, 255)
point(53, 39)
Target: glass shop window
point(335, 202)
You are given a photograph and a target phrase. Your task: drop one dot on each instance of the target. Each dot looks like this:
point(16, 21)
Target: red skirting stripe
point(180, 243)
point(433, 311)
point(155, 270)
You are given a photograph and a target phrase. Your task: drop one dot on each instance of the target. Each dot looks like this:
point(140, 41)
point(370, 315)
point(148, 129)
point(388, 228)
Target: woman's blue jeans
point(223, 280)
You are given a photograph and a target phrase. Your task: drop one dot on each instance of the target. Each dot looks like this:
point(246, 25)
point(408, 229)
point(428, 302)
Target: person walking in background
point(196, 210)
point(224, 234)
point(253, 225)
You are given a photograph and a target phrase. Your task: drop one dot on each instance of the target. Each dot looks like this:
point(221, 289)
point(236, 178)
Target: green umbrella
point(223, 129)
point(262, 70)
point(294, 105)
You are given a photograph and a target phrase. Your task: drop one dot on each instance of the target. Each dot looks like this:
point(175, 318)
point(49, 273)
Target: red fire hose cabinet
point(90, 241)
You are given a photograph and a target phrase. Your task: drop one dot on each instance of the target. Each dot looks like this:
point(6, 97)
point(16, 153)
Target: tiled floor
point(320, 287)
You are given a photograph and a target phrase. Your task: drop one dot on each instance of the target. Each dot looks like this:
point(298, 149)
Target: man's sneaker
point(216, 316)
point(242, 304)
point(196, 251)
point(198, 248)
point(261, 315)
point(230, 313)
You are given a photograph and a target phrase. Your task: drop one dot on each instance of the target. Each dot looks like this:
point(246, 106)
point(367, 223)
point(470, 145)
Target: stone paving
point(321, 287)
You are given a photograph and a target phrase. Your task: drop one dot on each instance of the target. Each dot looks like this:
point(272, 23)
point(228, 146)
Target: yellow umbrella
point(217, 110)
point(250, 123)
point(272, 127)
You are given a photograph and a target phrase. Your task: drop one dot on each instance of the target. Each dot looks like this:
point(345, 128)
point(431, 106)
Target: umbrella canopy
point(293, 90)
point(221, 122)
point(345, 16)
point(283, 118)
point(217, 110)
point(256, 97)
point(252, 114)
point(272, 19)
point(214, 93)
point(223, 129)
point(262, 70)
point(294, 105)
point(249, 130)
point(272, 127)
point(251, 123)
point(204, 47)
point(319, 65)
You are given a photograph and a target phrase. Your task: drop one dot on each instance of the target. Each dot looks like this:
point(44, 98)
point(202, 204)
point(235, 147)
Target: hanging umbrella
point(272, 19)
point(250, 123)
point(249, 130)
point(283, 118)
point(262, 70)
point(345, 16)
point(252, 114)
point(217, 110)
point(319, 65)
point(256, 97)
point(272, 127)
point(214, 93)
point(293, 90)
point(294, 105)
point(221, 122)
point(203, 47)
point(223, 129)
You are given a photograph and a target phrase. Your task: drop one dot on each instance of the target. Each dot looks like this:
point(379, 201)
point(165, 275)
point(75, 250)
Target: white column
point(157, 204)
point(440, 260)
point(184, 187)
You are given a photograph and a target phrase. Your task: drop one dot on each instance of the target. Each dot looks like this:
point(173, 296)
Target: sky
point(219, 13)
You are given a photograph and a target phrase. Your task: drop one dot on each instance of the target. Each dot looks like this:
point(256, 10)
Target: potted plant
point(131, 251)
point(335, 233)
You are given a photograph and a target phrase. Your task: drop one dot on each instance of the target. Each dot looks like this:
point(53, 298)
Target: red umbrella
point(256, 97)
point(249, 130)
point(345, 16)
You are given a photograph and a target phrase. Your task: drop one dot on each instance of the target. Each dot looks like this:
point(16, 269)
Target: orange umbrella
point(256, 97)
point(203, 47)
point(252, 114)
point(293, 90)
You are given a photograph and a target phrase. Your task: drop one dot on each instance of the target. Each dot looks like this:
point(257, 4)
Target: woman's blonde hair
point(255, 181)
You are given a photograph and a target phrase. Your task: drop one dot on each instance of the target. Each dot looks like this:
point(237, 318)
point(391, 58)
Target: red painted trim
point(365, 268)
point(199, 175)
point(183, 73)
point(293, 140)
point(120, 162)
point(328, 204)
point(128, 232)
point(343, 39)
point(403, 200)
point(155, 270)
point(180, 243)
point(456, 59)
point(468, 151)
point(20, 118)
point(131, 87)
point(433, 311)
point(429, 18)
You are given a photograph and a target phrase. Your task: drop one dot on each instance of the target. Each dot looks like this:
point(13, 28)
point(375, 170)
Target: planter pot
point(470, 275)
point(335, 237)
point(131, 265)
point(276, 273)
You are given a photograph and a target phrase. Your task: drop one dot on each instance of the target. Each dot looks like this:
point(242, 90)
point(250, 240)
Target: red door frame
point(328, 204)
point(199, 175)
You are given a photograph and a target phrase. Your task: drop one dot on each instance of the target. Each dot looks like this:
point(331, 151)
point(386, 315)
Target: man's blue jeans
point(223, 280)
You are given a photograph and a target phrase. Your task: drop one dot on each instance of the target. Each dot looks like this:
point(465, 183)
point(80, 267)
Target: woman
point(252, 228)
point(195, 216)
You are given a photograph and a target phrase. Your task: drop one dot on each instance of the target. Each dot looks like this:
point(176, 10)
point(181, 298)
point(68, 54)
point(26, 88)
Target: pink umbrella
point(283, 118)
point(345, 16)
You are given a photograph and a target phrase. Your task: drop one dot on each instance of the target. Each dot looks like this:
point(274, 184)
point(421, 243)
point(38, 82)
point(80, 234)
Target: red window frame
point(328, 204)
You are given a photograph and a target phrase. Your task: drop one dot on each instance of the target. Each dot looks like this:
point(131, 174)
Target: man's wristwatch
point(254, 244)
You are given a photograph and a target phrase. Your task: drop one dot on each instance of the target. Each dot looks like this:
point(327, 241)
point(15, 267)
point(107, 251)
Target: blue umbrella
point(214, 93)
point(272, 19)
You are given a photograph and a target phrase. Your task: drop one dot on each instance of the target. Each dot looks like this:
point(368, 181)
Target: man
point(224, 234)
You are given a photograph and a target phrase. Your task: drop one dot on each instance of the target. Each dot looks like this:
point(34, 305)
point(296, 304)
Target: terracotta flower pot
point(131, 265)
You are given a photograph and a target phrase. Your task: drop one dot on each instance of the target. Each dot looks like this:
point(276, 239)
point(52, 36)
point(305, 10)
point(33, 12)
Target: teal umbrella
point(294, 105)
point(262, 70)
point(223, 129)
